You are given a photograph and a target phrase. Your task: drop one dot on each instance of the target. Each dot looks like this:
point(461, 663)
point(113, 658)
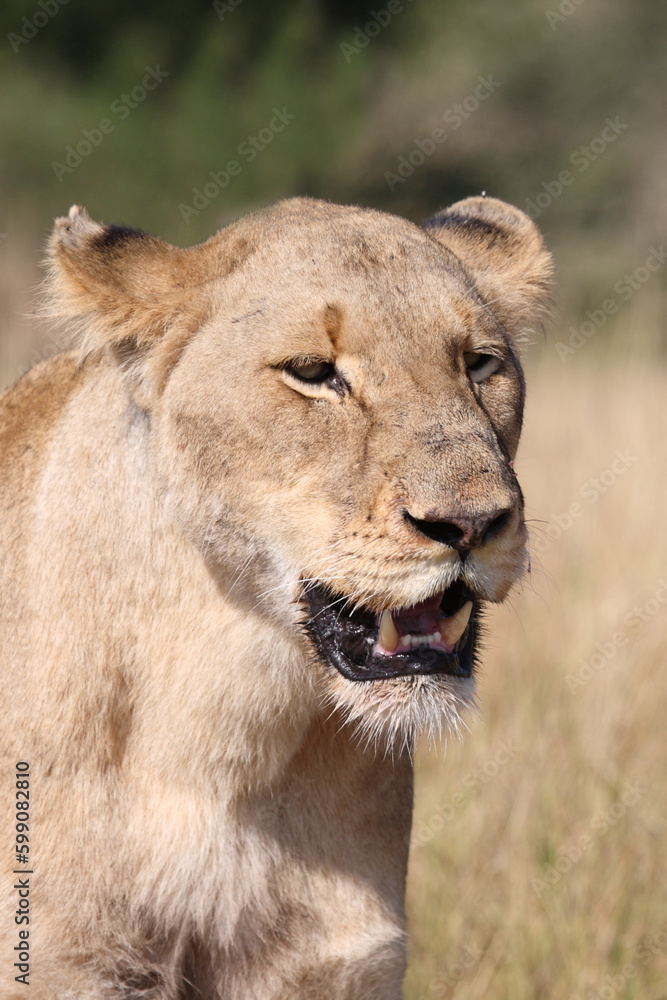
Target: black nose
point(461, 532)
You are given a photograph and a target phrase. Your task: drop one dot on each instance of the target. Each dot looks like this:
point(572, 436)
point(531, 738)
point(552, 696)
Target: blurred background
point(539, 862)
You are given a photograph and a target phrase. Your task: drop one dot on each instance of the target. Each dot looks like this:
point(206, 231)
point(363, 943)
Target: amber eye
point(480, 366)
point(312, 371)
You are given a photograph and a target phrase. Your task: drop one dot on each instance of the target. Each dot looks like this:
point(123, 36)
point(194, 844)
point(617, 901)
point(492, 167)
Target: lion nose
point(462, 532)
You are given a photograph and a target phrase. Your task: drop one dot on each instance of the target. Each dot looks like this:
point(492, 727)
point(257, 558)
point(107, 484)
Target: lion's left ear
point(123, 288)
point(505, 252)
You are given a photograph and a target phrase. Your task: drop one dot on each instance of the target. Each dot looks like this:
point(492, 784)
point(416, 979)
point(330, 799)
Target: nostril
point(439, 531)
point(461, 532)
point(497, 524)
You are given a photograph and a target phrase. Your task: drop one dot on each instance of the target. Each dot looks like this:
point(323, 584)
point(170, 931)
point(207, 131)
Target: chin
point(392, 714)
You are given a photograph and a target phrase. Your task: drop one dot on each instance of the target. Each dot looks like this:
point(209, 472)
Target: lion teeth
point(419, 640)
point(451, 629)
point(449, 632)
point(387, 633)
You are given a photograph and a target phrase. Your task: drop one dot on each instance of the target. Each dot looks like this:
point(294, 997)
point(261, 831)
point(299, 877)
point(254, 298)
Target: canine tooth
point(387, 633)
point(437, 637)
point(451, 629)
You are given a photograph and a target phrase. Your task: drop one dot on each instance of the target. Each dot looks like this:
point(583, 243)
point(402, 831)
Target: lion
point(248, 528)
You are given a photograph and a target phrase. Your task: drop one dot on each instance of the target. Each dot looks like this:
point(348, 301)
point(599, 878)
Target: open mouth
point(437, 636)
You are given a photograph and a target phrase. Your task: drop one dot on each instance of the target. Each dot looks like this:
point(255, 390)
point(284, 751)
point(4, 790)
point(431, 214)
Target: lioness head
point(335, 400)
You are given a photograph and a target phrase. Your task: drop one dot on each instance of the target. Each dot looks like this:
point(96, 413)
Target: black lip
point(346, 639)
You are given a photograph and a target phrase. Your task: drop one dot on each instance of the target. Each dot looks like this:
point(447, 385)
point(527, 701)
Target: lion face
point(335, 400)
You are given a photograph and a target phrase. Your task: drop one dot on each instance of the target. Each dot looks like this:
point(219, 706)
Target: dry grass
point(530, 791)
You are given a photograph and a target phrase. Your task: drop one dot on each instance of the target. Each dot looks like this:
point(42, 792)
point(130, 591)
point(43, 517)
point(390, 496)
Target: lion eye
point(480, 366)
point(313, 371)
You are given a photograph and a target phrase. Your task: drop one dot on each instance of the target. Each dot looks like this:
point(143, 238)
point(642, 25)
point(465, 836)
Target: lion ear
point(505, 252)
point(122, 287)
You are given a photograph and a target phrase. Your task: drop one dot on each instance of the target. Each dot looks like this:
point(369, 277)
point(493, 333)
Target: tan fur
point(215, 813)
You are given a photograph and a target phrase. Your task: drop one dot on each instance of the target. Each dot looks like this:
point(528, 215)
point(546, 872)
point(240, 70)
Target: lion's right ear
point(120, 286)
point(504, 252)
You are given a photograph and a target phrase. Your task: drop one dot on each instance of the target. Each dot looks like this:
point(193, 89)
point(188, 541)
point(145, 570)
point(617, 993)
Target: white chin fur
point(391, 714)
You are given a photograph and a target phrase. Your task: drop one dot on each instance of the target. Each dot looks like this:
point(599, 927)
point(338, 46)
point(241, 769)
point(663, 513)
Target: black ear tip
point(116, 236)
point(435, 221)
point(473, 225)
